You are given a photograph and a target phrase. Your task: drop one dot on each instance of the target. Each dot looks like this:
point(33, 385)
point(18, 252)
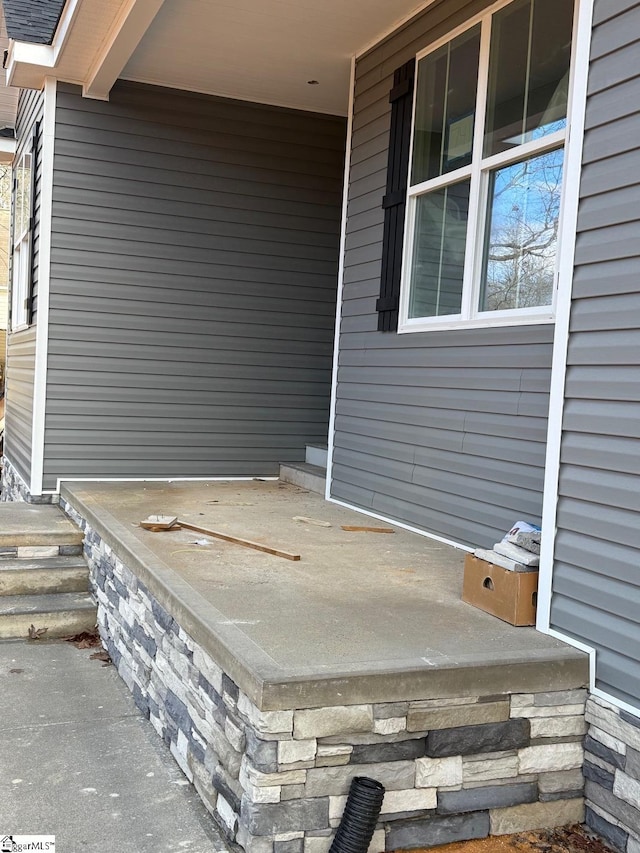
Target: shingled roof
point(32, 20)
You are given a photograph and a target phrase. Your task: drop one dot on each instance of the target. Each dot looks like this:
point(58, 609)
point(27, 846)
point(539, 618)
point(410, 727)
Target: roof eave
point(7, 150)
point(28, 64)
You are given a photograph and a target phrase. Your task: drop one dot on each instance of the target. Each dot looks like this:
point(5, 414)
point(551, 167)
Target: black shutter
point(32, 206)
point(394, 202)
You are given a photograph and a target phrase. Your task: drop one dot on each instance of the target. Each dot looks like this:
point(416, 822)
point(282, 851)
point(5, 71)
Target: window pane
point(26, 192)
point(445, 107)
point(18, 201)
point(522, 233)
point(22, 196)
point(438, 252)
point(528, 72)
point(19, 285)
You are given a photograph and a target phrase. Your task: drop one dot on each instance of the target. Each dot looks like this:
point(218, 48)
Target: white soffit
point(8, 94)
point(82, 31)
point(89, 31)
point(263, 51)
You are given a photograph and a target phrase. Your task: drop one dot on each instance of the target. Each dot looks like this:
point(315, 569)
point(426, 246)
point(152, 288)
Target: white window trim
point(44, 280)
point(478, 171)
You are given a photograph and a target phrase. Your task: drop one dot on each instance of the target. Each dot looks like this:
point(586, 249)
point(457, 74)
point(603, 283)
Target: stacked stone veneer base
point(276, 781)
point(15, 489)
point(612, 773)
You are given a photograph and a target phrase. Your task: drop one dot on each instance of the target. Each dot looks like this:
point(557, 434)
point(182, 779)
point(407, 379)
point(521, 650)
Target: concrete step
point(316, 454)
point(36, 525)
point(62, 614)
point(310, 477)
point(43, 576)
point(38, 552)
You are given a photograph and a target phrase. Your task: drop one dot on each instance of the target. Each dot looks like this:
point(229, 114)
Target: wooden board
point(157, 523)
point(351, 528)
point(237, 540)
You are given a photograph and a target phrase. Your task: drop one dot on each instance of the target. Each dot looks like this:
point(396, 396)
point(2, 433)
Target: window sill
point(445, 324)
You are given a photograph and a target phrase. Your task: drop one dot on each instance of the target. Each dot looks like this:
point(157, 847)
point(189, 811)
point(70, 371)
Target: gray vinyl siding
point(194, 276)
point(21, 346)
point(21, 359)
point(596, 582)
point(443, 430)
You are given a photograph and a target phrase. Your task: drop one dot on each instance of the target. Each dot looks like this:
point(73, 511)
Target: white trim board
point(343, 240)
point(566, 253)
point(7, 150)
point(62, 480)
point(595, 691)
point(402, 525)
point(44, 282)
point(133, 21)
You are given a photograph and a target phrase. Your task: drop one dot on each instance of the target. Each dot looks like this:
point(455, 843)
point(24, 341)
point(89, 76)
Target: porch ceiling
point(256, 50)
point(263, 51)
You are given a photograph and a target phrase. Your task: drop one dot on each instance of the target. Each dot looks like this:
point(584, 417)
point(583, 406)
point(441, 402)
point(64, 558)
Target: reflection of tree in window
point(522, 234)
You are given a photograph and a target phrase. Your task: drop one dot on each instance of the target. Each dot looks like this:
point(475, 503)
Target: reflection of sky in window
point(528, 193)
point(522, 232)
point(537, 133)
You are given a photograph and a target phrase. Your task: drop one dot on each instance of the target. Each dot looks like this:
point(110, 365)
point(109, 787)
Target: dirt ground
point(571, 839)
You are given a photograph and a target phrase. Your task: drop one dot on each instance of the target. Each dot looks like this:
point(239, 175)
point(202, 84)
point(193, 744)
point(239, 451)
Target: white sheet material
point(520, 527)
point(515, 552)
point(503, 562)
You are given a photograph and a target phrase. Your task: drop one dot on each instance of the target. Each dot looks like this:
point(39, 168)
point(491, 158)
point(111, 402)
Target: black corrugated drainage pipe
point(359, 817)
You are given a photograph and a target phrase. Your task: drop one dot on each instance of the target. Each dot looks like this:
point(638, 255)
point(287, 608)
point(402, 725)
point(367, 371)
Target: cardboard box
point(511, 596)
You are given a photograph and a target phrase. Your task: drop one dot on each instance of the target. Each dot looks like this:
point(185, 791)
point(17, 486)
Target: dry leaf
point(85, 639)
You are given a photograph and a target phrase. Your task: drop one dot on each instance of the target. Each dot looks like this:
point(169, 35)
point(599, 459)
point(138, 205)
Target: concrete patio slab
point(79, 761)
point(362, 617)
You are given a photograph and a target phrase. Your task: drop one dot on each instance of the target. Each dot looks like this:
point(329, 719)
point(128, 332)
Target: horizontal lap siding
point(21, 346)
point(21, 358)
point(194, 263)
point(444, 430)
point(596, 587)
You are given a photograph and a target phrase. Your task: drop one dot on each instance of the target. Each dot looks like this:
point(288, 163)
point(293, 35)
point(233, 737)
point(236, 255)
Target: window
point(485, 174)
point(21, 278)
